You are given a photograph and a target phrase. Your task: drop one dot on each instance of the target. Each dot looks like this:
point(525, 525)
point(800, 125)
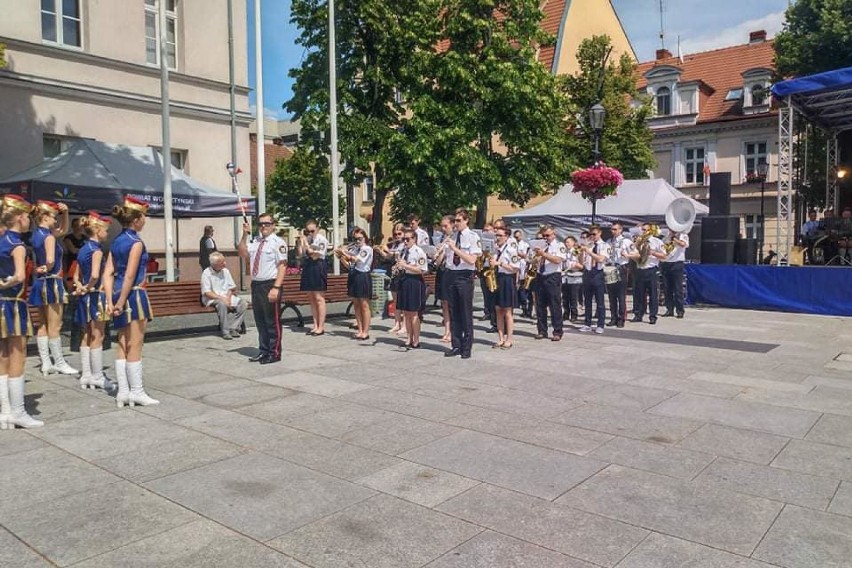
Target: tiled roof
point(719, 71)
point(272, 153)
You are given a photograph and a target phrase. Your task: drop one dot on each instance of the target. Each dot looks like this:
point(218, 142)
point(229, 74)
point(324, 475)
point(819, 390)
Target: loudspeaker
point(720, 227)
point(746, 252)
point(720, 193)
point(719, 251)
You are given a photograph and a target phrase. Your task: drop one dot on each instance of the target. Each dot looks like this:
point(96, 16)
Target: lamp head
point(842, 173)
point(762, 168)
point(596, 116)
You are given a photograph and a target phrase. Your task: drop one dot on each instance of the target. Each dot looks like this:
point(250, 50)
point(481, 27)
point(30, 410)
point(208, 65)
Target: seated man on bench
point(219, 290)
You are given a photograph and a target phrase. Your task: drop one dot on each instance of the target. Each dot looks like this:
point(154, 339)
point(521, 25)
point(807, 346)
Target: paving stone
point(842, 502)
point(509, 400)
point(296, 404)
point(739, 414)
point(201, 389)
point(629, 423)
point(418, 484)
point(802, 538)
point(426, 407)
point(76, 527)
point(820, 399)
point(339, 420)
point(237, 428)
point(315, 384)
point(661, 551)
point(406, 434)
point(56, 406)
point(832, 429)
point(492, 550)
point(171, 407)
point(752, 382)
point(692, 386)
point(770, 482)
point(15, 553)
point(656, 458)
point(16, 441)
point(381, 532)
point(435, 385)
point(567, 386)
point(745, 445)
point(245, 493)
point(714, 517)
point(245, 396)
point(197, 545)
point(628, 396)
point(834, 462)
point(507, 463)
point(582, 535)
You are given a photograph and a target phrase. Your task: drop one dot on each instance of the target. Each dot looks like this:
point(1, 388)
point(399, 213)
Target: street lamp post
point(596, 120)
point(762, 171)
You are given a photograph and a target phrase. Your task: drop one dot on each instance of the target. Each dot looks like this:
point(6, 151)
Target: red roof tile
point(272, 153)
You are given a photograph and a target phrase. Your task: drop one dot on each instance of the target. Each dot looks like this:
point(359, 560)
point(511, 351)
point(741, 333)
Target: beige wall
point(587, 18)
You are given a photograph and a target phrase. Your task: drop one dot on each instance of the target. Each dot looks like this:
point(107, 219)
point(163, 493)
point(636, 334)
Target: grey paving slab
point(46, 474)
point(381, 532)
point(406, 434)
point(820, 399)
point(435, 385)
point(816, 459)
point(418, 484)
point(692, 386)
point(201, 389)
point(339, 420)
point(832, 429)
point(366, 374)
point(245, 396)
point(237, 428)
point(802, 538)
point(629, 423)
point(200, 544)
point(171, 407)
point(245, 493)
point(76, 527)
point(315, 384)
point(16, 441)
point(656, 458)
point(426, 407)
point(841, 504)
point(740, 414)
point(492, 550)
point(581, 535)
point(628, 396)
point(66, 404)
point(753, 383)
point(282, 409)
point(514, 465)
point(15, 553)
point(745, 445)
point(770, 482)
point(511, 400)
point(661, 551)
point(714, 517)
point(568, 385)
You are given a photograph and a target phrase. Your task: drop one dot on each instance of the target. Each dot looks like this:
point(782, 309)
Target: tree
point(2, 55)
point(626, 137)
point(817, 36)
point(300, 188)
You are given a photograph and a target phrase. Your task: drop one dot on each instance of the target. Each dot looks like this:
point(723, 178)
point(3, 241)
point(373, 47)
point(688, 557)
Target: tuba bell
point(680, 215)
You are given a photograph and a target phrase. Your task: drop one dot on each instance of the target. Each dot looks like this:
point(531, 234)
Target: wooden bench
point(176, 298)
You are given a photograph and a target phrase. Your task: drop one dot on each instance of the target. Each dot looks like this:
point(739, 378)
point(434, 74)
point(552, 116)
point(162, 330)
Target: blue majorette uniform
point(47, 288)
point(14, 317)
point(92, 305)
point(137, 307)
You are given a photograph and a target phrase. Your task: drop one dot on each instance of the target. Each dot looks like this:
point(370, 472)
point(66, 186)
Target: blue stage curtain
point(812, 290)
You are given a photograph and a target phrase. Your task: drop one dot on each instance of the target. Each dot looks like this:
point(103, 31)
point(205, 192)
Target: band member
point(390, 254)
point(647, 254)
point(572, 281)
point(48, 290)
point(267, 256)
point(460, 260)
point(312, 248)
point(672, 269)
point(15, 322)
point(441, 280)
point(508, 263)
point(91, 312)
point(549, 289)
point(621, 247)
point(595, 255)
point(412, 265)
point(421, 234)
point(523, 294)
point(359, 260)
point(127, 301)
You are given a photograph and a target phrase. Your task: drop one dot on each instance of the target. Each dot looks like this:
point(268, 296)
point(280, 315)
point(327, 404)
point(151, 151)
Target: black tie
point(405, 256)
point(456, 257)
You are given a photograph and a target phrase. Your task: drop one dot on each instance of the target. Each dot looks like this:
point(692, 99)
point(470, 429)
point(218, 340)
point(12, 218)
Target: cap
point(95, 218)
point(137, 204)
point(13, 201)
point(46, 206)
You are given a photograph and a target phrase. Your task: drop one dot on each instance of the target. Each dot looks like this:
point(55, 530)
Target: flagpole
point(166, 153)
point(335, 165)
point(260, 114)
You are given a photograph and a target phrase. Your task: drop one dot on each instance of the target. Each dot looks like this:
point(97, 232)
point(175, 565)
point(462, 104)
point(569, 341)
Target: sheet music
point(538, 244)
point(488, 242)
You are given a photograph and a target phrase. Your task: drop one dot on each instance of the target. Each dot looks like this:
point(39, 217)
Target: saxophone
point(532, 273)
point(669, 245)
point(643, 246)
point(489, 273)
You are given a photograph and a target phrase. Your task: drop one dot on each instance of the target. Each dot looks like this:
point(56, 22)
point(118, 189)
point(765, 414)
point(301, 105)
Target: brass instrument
point(479, 265)
point(670, 245)
point(532, 273)
point(489, 273)
point(642, 244)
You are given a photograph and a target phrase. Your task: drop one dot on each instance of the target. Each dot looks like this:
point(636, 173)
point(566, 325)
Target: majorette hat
point(137, 204)
point(47, 206)
point(97, 219)
point(13, 201)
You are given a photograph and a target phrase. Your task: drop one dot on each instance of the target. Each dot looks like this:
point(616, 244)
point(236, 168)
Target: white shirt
point(422, 237)
point(523, 248)
point(554, 248)
point(469, 242)
point(220, 283)
point(598, 247)
point(273, 253)
point(679, 252)
point(364, 262)
point(654, 245)
point(416, 256)
point(619, 245)
point(507, 254)
point(318, 244)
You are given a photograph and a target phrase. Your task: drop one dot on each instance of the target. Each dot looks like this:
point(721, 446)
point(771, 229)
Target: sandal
point(506, 346)
point(498, 345)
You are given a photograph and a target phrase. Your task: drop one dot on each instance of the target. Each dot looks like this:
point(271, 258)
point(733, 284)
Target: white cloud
point(736, 35)
point(268, 113)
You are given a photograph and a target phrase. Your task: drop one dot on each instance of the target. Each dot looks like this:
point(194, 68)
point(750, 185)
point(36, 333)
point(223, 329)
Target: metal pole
point(166, 147)
point(232, 91)
point(258, 74)
point(335, 165)
point(762, 218)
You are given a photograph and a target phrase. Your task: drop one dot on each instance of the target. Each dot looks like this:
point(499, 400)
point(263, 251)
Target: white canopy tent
point(637, 201)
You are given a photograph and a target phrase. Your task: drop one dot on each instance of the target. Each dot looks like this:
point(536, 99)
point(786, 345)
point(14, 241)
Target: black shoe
point(452, 352)
point(257, 357)
point(680, 316)
point(465, 356)
point(541, 336)
point(652, 321)
point(269, 359)
point(620, 323)
point(668, 314)
point(636, 319)
point(611, 323)
point(492, 329)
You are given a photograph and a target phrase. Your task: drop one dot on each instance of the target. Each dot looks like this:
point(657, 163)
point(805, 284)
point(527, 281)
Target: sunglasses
point(457, 220)
point(312, 231)
point(265, 224)
point(408, 239)
point(397, 234)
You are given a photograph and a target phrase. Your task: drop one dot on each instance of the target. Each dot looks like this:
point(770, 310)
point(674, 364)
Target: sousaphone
point(680, 215)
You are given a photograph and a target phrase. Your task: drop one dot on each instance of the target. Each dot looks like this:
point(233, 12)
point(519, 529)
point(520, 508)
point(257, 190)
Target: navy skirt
point(137, 307)
point(412, 294)
point(359, 285)
point(441, 288)
point(507, 291)
point(47, 290)
point(314, 276)
point(91, 307)
point(14, 318)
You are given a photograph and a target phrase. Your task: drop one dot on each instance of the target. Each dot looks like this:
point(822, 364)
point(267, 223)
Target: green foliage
point(300, 188)
point(817, 36)
point(2, 55)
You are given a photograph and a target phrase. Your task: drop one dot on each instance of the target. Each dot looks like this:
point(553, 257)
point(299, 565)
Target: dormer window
point(664, 101)
point(734, 95)
point(756, 90)
point(758, 94)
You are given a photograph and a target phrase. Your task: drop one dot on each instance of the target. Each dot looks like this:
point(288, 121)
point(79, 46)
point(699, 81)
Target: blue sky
point(699, 26)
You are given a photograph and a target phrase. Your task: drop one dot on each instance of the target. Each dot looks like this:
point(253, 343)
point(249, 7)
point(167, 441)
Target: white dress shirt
point(554, 248)
point(679, 253)
point(364, 262)
point(220, 283)
point(467, 241)
point(654, 245)
point(273, 253)
point(619, 245)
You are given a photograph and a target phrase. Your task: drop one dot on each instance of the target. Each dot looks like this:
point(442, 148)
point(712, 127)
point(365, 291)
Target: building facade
point(90, 69)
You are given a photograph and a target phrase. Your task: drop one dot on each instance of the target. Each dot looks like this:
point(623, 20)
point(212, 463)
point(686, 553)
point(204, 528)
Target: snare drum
point(573, 277)
point(611, 274)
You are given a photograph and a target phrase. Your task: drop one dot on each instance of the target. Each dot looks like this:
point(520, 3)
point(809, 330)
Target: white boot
point(137, 390)
point(86, 367)
point(97, 367)
point(123, 395)
point(19, 416)
point(58, 359)
point(43, 343)
point(5, 407)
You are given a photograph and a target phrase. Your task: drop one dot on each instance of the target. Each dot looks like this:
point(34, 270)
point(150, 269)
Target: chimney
point(663, 54)
point(757, 37)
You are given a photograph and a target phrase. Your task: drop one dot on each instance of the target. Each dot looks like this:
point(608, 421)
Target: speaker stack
point(720, 229)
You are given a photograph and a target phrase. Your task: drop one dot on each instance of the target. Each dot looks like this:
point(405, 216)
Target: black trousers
point(618, 296)
point(644, 284)
point(594, 288)
point(549, 297)
point(460, 298)
point(673, 283)
point(489, 300)
point(571, 300)
point(266, 318)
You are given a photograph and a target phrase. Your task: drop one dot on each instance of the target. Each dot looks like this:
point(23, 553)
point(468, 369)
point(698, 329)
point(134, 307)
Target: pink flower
point(597, 182)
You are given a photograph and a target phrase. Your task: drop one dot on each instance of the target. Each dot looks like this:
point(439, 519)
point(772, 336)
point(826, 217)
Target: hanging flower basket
point(598, 182)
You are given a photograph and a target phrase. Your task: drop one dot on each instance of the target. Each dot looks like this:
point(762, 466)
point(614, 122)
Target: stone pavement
point(723, 440)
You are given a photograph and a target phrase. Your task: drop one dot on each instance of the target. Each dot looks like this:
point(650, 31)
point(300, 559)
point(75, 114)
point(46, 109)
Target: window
point(52, 146)
point(369, 190)
point(664, 101)
point(694, 161)
point(758, 95)
point(61, 22)
point(755, 153)
point(178, 157)
point(752, 226)
point(734, 94)
point(152, 32)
